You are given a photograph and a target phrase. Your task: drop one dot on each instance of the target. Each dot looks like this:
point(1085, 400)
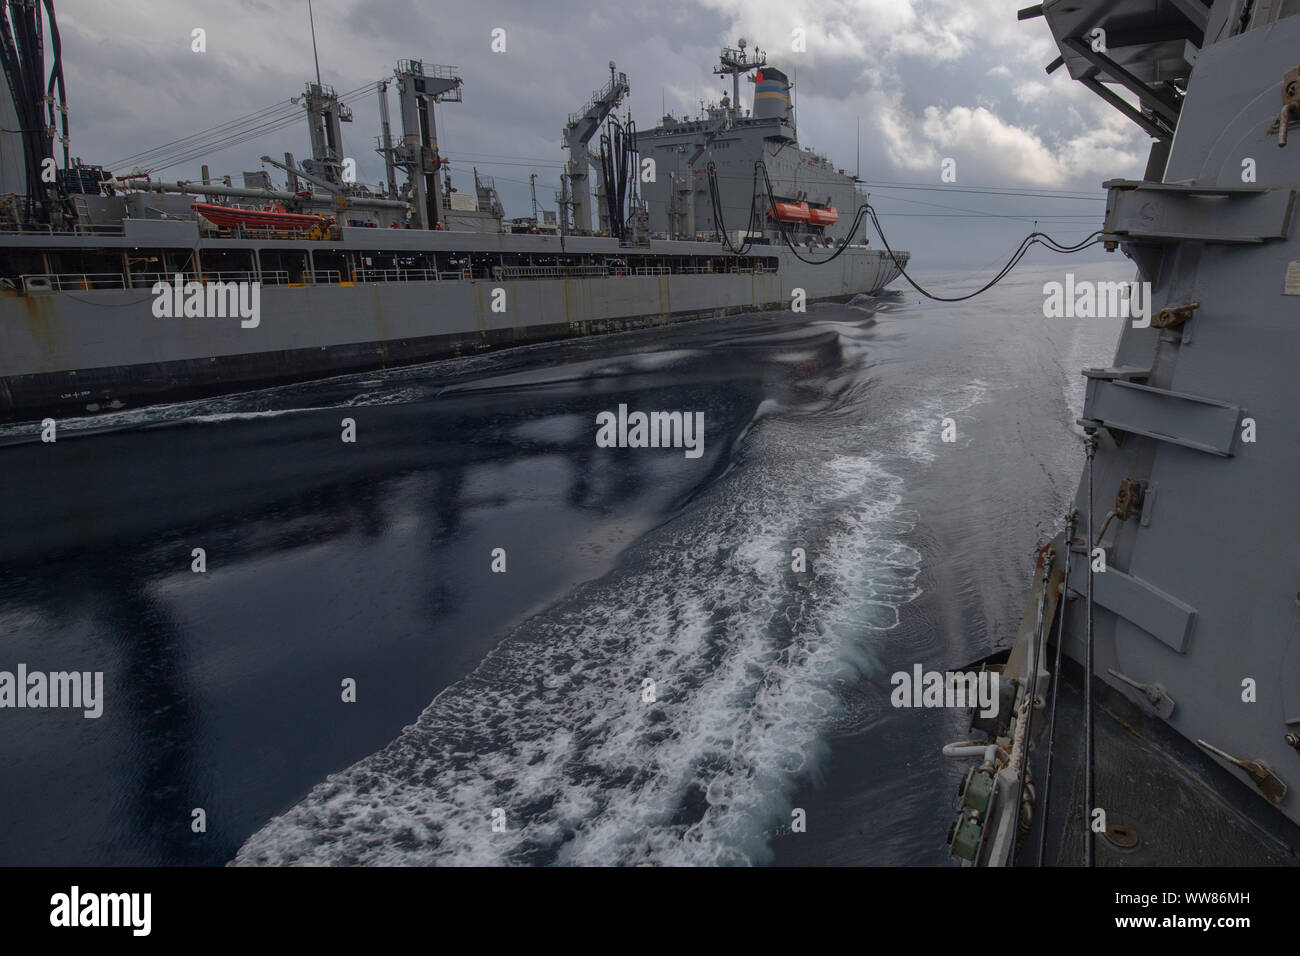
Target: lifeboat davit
point(790, 212)
point(273, 217)
point(823, 217)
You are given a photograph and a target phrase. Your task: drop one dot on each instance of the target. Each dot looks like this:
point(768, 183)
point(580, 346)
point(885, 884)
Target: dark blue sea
point(649, 681)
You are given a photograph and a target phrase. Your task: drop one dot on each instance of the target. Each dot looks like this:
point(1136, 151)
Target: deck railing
point(266, 277)
point(96, 281)
point(79, 229)
point(72, 282)
point(548, 272)
point(399, 275)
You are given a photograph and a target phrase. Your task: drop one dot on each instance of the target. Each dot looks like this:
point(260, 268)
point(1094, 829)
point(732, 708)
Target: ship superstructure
point(733, 138)
point(108, 278)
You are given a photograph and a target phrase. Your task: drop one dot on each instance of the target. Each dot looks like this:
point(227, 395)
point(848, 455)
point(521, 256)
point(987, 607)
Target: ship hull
point(76, 353)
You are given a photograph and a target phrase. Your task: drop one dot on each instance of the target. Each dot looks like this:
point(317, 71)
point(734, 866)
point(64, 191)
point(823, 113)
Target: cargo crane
point(577, 134)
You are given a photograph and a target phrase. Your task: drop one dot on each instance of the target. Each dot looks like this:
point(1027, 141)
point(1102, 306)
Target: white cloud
point(980, 137)
point(833, 29)
point(989, 149)
point(1114, 144)
point(1031, 91)
point(937, 30)
point(904, 149)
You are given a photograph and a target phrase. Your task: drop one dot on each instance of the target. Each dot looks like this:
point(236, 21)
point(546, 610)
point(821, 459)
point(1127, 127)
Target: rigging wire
point(272, 125)
point(167, 162)
point(1033, 239)
point(1068, 195)
point(866, 209)
point(230, 125)
point(1063, 218)
point(939, 205)
point(1065, 194)
point(226, 135)
point(511, 159)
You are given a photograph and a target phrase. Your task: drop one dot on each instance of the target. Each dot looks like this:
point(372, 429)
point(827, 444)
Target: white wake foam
point(747, 660)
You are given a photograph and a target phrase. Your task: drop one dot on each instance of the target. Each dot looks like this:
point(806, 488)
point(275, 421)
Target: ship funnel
point(771, 94)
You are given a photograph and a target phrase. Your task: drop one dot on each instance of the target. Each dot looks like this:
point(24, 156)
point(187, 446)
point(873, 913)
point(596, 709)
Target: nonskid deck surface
point(1174, 807)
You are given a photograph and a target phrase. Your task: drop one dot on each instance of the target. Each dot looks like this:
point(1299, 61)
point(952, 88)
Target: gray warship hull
point(1172, 592)
point(84, 343)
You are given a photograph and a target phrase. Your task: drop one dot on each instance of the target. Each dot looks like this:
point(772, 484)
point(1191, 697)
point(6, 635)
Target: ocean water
point(649, 681)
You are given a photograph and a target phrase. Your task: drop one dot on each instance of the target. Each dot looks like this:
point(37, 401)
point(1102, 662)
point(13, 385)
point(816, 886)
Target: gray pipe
point(145, 185)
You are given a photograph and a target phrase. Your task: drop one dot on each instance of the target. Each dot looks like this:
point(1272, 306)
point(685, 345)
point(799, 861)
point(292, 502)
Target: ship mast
point(419, 87)
point(732, 62)
point(314, 53)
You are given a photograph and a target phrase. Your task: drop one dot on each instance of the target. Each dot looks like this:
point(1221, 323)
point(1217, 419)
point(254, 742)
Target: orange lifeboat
point(823, 217)
point(271, 218)
point(790, 212)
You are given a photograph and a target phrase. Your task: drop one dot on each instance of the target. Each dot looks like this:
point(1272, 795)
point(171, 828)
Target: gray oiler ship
point(1152, 698)
point(120, 289)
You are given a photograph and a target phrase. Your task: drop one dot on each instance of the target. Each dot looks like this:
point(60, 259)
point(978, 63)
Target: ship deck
point(1160, 793)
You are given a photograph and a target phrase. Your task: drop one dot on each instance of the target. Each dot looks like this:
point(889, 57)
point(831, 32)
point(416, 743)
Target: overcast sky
point(929, 79)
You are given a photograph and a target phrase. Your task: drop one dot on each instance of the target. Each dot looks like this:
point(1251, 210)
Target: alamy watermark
point(651, 430)
point(958, 689)
point(75, 908)
point(208, 300)
point(1084, 299)
point(36, 689)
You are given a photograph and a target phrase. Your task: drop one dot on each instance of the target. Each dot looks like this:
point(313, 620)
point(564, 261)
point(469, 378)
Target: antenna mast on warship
point(733, 62)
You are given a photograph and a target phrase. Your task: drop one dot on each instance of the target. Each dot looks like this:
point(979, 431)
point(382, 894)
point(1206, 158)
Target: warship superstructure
point(118, 289)
point(1152, 696)
point(807, 187)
